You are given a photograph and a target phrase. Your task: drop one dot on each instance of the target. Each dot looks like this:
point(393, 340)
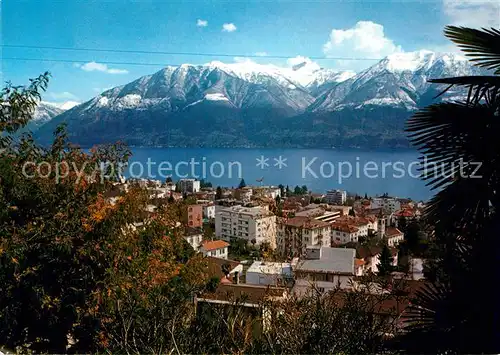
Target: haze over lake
point(357, 171)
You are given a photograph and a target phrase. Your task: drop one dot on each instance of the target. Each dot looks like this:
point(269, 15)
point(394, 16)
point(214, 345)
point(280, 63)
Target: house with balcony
point(295, 234)
point(257, 225)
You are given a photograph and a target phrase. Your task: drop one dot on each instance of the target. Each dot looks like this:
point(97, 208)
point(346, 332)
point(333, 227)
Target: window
point(321, 289)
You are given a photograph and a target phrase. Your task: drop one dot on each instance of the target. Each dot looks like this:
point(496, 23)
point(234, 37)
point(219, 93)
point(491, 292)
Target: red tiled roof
point(392, 232)
point(304, 222)
point(359, 262)
point(214, 245)
point(344, 227)
point(404, 213)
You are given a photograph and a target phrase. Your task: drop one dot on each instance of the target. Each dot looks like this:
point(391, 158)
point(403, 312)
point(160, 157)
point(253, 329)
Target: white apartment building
point(269, 273)
point(336, 197)
point(348, 229)
point(254, 224)
point(295, 234)
point(189, 185)
point(209, 211)
point(388, 204)
point(344, 233)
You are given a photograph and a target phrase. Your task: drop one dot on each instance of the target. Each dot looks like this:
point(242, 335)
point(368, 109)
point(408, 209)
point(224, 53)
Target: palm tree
point(461, 145)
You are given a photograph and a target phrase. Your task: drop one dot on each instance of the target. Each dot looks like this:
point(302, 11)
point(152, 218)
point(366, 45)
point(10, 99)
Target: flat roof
point(272, 268)
point(333, 260)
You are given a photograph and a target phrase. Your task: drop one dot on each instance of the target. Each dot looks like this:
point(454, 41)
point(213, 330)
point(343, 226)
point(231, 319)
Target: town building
point(371, 257)
point(189, 186)
point(324, 269)
point(336, 197)
point(267, 191)
point(348, 229)
point(194, 216)
point(416, 266)
point(269, 273)
point(215, 248)
point(343, 233)
point(244, 194)
point(257, 225)
point(319, 213)
point(194, 237)
point(296, 234)
point(388, 204)
point(208, 211)
point(393, 236)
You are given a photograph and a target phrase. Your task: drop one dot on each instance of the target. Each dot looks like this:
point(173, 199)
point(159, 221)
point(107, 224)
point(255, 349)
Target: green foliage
point(213, 283)
point(71, 264)
point(218, 193)
point(18, 103)
point(385, 266)
point(242, 184)
point(205, 184)
point(460, 142)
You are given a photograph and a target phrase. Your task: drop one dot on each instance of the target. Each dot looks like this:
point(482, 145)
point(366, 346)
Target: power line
point(87, 61)
point(198, 54)
point(127, 63)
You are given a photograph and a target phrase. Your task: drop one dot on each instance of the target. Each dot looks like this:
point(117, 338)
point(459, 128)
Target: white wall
point(218, 253)
point(303, 287)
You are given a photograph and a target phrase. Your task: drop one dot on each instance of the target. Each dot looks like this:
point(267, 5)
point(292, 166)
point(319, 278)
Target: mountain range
point(245, 104)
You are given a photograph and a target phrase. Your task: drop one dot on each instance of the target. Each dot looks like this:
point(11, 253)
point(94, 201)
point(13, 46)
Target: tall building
point(297, 233)
point(194, 216)
point(256, 225)
point(336, 197)
point(189, 185)
point(388, 204)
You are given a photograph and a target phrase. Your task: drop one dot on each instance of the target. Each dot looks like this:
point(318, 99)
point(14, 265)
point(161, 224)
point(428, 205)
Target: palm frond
point(483, 46)
point(461, 152)
point(479, 87)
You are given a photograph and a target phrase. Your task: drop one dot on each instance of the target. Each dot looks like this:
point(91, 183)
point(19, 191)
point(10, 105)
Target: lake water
point(357, 171)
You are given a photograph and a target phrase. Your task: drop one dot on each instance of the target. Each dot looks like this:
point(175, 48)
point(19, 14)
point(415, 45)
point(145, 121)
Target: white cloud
point(93, 66)
point(201, 23)
point(473, 13)
point(301, 60)
point(261, 54)
point(228, 27)
point(365, 40)
point(61, 96)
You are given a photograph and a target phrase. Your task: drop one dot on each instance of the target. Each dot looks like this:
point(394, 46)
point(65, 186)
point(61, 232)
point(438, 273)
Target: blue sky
point(361, 29)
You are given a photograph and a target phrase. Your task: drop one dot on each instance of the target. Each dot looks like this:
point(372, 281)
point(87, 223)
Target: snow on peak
point(408, 61)
point(62, 105)
point(103, 101)
point(423, 59)
point(216, 97)
point(302, 72)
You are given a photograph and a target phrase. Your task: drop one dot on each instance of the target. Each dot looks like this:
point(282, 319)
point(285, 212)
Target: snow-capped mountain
point(247, 104)
point(177, 88)
point(400, 80)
